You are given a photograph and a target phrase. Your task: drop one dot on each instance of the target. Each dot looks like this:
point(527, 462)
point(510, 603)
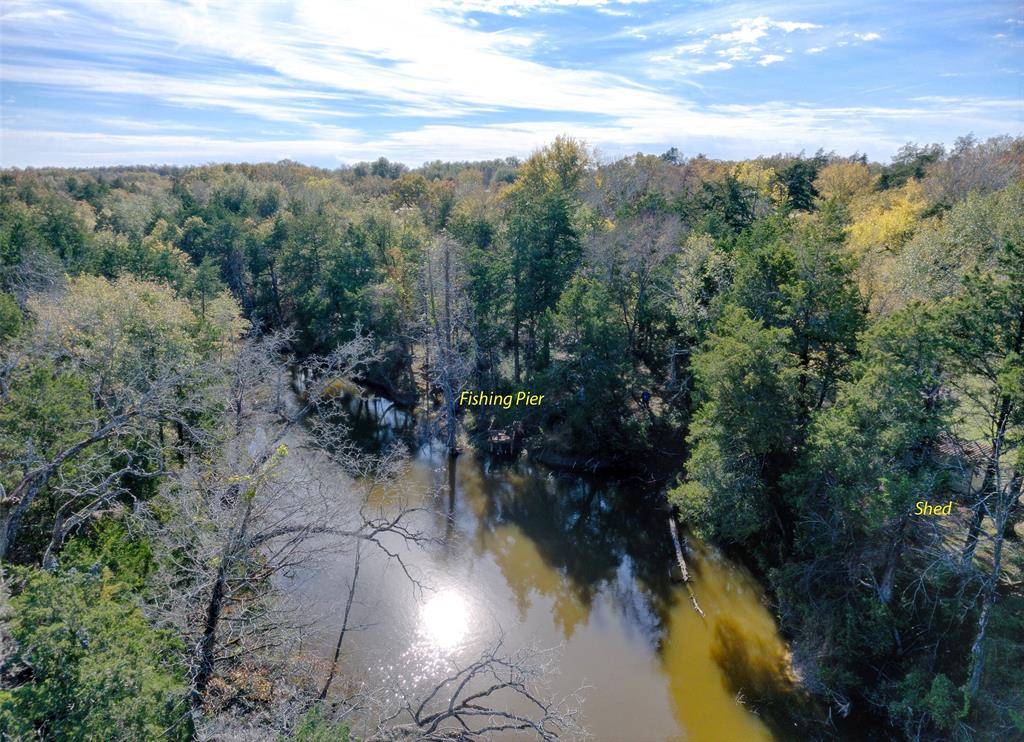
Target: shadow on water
point(588, 531)
point(376, 423)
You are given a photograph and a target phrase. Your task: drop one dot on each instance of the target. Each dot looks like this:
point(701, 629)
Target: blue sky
point(166, 81)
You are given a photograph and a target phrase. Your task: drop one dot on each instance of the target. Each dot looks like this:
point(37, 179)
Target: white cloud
point(252, 95)
point(672, 67)
point(320, 54)
point(730, 130)
point(790, 26)
point(13, 14)
point(518, 7)
point(712, 67)
point(317, 64)
point(737, 53)
point(695, 48)
point(816, 49)
point(871, 36)
point(422, 65)
point(750, 30)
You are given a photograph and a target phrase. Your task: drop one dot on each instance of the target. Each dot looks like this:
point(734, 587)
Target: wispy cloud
point(750, 30)
point(744, 43)
point(158, 80)
point(519, 7)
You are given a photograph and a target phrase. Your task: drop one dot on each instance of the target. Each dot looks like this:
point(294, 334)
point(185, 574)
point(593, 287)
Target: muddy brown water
point(552, 560)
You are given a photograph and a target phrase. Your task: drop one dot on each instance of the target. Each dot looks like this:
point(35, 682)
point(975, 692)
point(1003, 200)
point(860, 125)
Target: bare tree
point(256, 367)
point(976, 167)
point(142, 372)
point(234, 519)
point(496, 693)
point(115, 428)
point(627, 258)
point(372, 472)
point(1006, 492)
point(94, 487)
point(447, 329)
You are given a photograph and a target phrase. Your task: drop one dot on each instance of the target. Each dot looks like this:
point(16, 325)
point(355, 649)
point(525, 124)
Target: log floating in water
point(682, 564)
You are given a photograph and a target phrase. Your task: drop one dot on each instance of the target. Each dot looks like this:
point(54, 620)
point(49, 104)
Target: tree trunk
point(14, 505)
point(452, 425)
point(277, 294)
point(215, 606)
point(1016, 513)
point(344, 624)
point(978, 514)
point(205, 649)
point(6, 514)
point(891, 563)
point(515, 348)
point(1004, 502)
point(987, 601)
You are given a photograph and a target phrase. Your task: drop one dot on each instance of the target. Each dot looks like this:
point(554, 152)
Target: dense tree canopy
point(803, 347)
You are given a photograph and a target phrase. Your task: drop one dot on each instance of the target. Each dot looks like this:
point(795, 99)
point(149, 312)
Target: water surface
point(550, 559)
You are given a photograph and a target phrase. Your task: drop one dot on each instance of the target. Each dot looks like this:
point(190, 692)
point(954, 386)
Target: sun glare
point(444, 619)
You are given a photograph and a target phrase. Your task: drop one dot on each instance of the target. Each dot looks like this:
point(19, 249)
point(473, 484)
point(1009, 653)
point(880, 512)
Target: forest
point(793, 351)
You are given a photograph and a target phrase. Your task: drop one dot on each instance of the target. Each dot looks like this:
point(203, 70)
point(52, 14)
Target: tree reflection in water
point(546, 558)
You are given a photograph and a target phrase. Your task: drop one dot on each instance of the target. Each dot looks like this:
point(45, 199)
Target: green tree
point(728, 206)
point(206, 283)
point(94, 670)
point(544, 237)
point(592, 387)
point(743, 432)
point(800, 278)
point(798, 178)
point(985, 344)
point(10, 317)
point(868, 459)
point(911, 161)
point(133, 356)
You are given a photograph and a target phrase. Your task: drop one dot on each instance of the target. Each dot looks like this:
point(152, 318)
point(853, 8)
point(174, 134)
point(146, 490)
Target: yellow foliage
point(128, 329)
point(158, 252)
point(559, 165)
point(885, 221)
point(225, 314)
point(762, 179)
point(844, 181)
point(337, 388)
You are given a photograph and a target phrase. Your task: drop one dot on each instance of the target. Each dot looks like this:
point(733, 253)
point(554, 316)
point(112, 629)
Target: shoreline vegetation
point(800, 350)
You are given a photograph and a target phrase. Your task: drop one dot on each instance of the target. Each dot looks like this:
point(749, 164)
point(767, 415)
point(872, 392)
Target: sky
point(109, 82)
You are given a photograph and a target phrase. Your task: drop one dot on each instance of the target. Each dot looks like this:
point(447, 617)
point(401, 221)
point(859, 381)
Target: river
point(556, 560)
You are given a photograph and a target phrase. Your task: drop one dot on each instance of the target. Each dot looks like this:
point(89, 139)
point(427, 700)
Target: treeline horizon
point(803, 345)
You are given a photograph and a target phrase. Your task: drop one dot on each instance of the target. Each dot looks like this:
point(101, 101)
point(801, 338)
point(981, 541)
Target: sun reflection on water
point(444, 620)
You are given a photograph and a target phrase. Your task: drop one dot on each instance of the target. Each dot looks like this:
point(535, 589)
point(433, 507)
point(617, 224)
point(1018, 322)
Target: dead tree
point(988, 326)
point(115, 428)
point(447, 321)
point(235, 518)
point(496, 693)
